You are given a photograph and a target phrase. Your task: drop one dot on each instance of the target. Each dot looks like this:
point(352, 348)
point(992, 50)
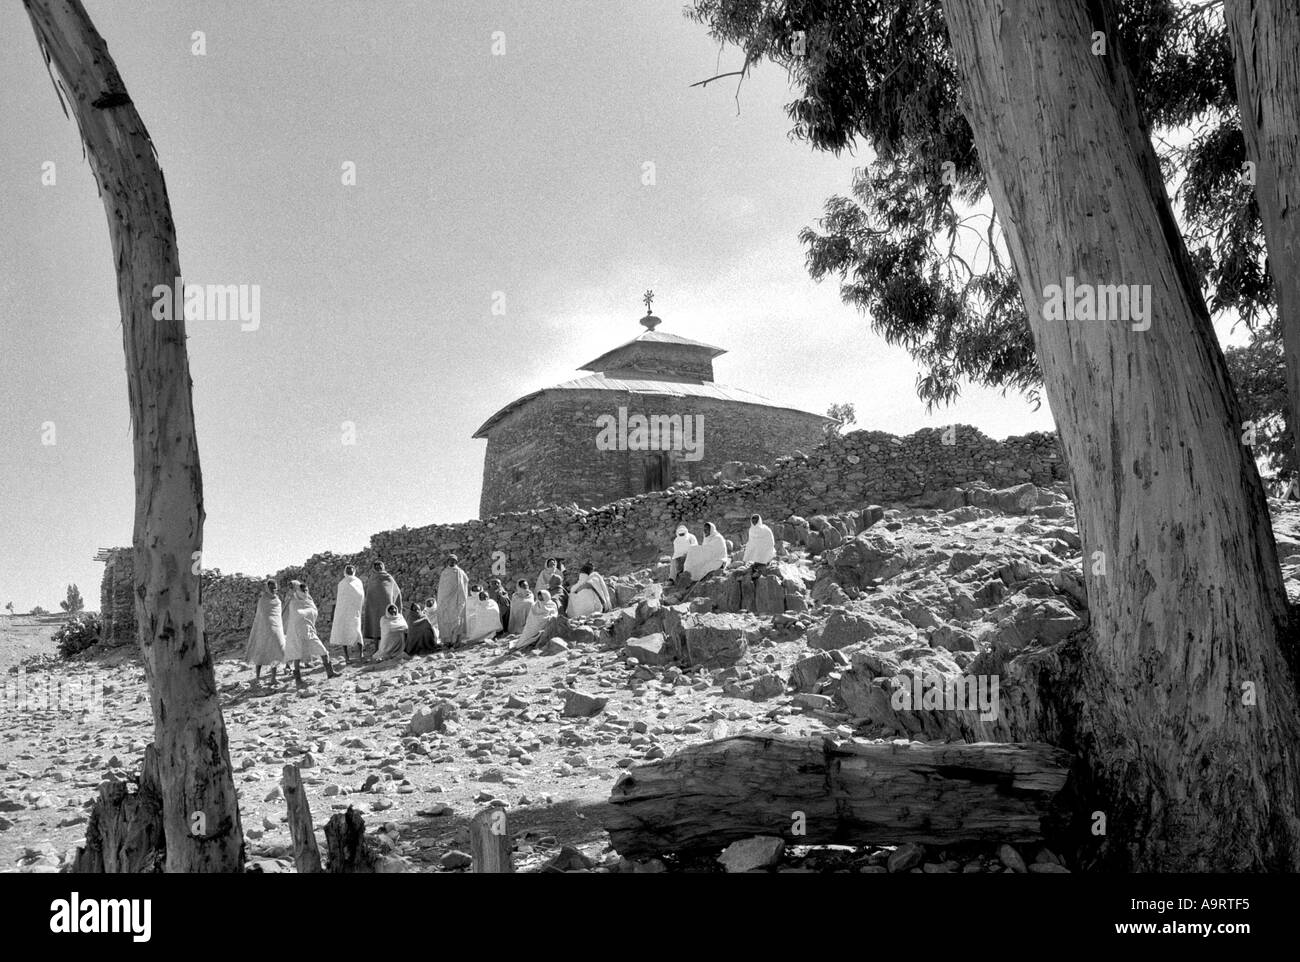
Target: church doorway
point(658, 471)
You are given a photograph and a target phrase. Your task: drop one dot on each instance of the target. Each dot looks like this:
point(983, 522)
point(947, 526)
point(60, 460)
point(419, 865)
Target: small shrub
point(77, 634)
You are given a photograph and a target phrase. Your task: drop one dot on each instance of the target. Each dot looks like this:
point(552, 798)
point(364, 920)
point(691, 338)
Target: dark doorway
point(658, 471)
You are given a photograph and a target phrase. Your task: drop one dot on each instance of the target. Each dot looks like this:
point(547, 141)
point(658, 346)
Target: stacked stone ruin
point(843, 474)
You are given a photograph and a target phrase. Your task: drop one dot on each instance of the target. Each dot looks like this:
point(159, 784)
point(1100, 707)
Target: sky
point(514, 178)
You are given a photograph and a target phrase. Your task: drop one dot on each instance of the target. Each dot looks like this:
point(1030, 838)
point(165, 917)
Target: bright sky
point(476, 173)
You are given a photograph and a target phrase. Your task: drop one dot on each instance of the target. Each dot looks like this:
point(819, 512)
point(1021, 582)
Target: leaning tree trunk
point(201, 814)
point(1185, 708)
point(1265, 37)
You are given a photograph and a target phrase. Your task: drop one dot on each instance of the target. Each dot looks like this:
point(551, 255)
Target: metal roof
point(599, 382)
point(654, 337)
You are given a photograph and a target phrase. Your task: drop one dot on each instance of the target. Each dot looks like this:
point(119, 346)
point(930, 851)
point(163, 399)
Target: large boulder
point(434, 720)
point(653, 649)
point(760, 688)
point(845, 628)
point(1044, 620)
point(807, 672)
point(579, 704)
point(646, 618)
point(868, 558)
point(769, 595)
point(1021, 499)
point(710, 640)
point(752, 854)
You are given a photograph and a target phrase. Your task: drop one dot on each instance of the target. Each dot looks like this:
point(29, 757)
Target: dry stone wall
point(842, 474)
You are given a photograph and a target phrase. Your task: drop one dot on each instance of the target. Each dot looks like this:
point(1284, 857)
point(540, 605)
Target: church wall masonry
point(552, 441)
point(843, 473)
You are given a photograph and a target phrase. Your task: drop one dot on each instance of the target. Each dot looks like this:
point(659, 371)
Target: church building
point(648, 415)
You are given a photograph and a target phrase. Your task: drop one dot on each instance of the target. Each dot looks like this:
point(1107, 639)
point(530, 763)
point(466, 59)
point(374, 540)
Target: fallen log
point(125, 832)
point(819, 791)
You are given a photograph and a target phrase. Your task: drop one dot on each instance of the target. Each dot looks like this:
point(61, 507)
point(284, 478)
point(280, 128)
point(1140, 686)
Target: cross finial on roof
point(648, 297)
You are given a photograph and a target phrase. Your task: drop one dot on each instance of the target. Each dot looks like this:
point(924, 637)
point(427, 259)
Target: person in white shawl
point(301, 643)
point(266, 640)
point(520, 602)
point(547, 578)
point(540, 623)
point(392, 634)
point(709, 555)
point(345, 627)
point(482, 616)
point(681, 544)
point(430, 612)
point(760, 549)
point(453, 591)
point(589, 596)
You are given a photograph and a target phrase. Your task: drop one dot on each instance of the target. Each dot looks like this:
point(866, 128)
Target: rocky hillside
point(860, 605)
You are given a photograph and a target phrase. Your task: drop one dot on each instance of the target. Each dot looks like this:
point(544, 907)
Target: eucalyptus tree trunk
point(1185, 706)
point(1265, 37)
point(200, 811)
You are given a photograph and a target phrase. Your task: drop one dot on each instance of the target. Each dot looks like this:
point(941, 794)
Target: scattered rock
point(760, 851)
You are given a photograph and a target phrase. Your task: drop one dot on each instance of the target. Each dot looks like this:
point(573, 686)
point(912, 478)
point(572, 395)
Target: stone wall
point(545, 452)
point(843, 473)
point(116, 598)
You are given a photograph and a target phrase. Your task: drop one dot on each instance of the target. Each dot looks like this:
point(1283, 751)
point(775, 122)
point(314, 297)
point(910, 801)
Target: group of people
point(698, 558)
point(371, 614)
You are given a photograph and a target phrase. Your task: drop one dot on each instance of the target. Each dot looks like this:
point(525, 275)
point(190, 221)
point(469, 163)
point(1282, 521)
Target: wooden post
point(349, 850)
point(490, 845)
point(125, 833)
point(306, 856)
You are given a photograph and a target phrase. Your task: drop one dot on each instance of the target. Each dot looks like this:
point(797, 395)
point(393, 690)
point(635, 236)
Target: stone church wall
point(546, 452)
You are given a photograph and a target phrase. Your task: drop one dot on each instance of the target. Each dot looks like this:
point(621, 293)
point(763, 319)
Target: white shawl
point(345, 626)
point(761, 547)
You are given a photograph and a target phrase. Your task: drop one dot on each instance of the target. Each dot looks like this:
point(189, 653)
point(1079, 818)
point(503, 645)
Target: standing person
point(681, 544)
point(301, 641)
point(760, 549)
point(589, 596)
point(381, 591)
point(497, 592)
point(392, 639)
point(345, 627)
point(453, 593)
point(520, 602)
point(266, 640)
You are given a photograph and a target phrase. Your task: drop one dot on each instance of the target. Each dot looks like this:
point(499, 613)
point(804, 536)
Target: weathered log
point(306, 856)
point(490, 845)
point(348, 850)
point(125, 832)
point(816, 791)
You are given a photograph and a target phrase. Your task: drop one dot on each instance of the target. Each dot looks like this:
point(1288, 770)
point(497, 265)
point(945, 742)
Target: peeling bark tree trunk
point(1189, 616)
point(1265, 37)
point(201, 815)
